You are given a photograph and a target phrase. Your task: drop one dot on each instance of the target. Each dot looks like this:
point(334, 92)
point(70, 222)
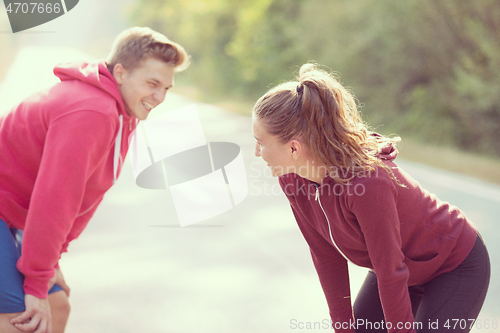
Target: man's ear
point(118, 73)
point(295, 149)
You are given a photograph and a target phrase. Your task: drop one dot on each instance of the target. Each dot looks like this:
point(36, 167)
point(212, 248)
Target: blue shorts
point(11, 280)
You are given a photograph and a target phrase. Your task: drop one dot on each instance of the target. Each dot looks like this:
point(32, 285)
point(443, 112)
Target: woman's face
point(279, 156)
point(283, 158)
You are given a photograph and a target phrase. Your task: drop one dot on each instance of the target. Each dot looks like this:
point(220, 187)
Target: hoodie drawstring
point(118, 145)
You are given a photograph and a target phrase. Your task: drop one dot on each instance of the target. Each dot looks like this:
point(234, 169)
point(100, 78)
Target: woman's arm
point(331, 268)
point(333, 274)
point(377, 215)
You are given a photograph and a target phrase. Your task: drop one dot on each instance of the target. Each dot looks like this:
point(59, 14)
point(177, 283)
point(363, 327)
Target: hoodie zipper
point(328, 221)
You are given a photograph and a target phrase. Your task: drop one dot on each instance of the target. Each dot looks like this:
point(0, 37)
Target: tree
point(426, 68)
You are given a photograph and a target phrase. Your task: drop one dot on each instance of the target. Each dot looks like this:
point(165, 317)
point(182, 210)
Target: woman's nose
point(257, 150)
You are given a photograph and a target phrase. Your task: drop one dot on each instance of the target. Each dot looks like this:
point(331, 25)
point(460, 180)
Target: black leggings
point(448, 303)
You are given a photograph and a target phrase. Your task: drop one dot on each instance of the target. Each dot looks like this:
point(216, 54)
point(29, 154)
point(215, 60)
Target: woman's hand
point(59, 280)
point(36, 318)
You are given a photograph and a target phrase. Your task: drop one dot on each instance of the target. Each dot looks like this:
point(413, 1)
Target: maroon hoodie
point(406, 235)
point(57, 159)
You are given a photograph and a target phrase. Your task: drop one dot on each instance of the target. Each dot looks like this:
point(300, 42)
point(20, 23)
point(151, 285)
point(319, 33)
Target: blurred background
point(426, 70)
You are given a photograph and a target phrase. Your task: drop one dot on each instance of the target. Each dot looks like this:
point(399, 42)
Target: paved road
point(134, 269)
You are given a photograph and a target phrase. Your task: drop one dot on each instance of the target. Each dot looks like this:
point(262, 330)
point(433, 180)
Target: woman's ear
point(295, 149)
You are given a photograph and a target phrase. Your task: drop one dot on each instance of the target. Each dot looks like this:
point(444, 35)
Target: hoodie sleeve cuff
point(36, 287)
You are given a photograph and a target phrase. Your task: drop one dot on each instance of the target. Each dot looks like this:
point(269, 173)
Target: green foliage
point(424, 68)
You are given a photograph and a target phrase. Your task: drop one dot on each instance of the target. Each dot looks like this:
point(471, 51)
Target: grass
point(237, 105)
point(486, 168)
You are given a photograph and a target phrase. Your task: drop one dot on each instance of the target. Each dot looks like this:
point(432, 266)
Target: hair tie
point(299, 89)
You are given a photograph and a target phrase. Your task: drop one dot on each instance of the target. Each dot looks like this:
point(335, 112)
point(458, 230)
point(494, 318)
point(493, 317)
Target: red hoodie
point(406, 235)
point(57, 159)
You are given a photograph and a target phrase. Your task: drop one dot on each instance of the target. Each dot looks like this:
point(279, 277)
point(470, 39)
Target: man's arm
point(75, 144)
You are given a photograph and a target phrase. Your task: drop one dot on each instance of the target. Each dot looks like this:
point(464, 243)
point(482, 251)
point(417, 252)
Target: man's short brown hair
point(136, 44)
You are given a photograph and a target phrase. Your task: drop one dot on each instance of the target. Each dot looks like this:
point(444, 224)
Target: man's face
point(144, 87)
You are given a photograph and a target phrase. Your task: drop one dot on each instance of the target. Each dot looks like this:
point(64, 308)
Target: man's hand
point(36, 318)
point(59, 279)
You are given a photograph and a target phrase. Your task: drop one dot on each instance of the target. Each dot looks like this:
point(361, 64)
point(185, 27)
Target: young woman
point(60, 151)
point(352, 203)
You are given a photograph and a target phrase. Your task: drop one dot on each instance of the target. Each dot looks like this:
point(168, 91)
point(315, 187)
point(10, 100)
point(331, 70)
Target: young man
point(60, 151)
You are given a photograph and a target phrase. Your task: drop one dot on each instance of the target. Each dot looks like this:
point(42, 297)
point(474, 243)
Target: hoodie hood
point(97, 74)
point(388, 153)
point(94, 73)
